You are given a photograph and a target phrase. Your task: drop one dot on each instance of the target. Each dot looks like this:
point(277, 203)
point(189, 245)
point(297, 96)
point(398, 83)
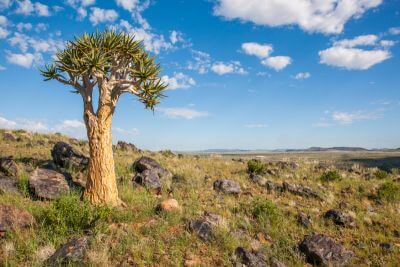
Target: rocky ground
point(188, 210)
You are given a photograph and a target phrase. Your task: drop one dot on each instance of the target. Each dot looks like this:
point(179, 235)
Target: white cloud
point(201, 62)
point(302, 75)
point(326, 16)
point(3, 33)
point(131, 132)
point(24, 60)
point(26, 7)
point(185, 113)
point(394, 30)
point(24, 26)
point(3, 21)
point(74, 128)
point(222, 68)
point(176, 37)
point(5, 4)
point(347, 54)
point(258, 50)
point(277, 63)
point(178, 81)
point(100, 15)
point(258, 125)
point(24, 124)
point(24, 42)
point(129, 5)
point(350, 117)
point(80, 7)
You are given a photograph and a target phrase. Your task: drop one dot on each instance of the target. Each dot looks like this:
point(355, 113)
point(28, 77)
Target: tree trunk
point(101, 186)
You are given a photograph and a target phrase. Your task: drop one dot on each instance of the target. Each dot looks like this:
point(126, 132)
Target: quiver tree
point(112, 63)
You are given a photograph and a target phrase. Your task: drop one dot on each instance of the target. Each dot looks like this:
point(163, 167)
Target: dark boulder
point(48, 184)
point(255, 178)
point(227, 186)
point(12, 218)
point(148, 179)
point(323, 250)
point(304, 220)
point(145, 163)
point(8, 185)
point(72, 252)
point(9, 136)
point(125, 146)
point(300, 190)
point(340, 218)
point(66, 156)
point(202, 228)
point(250, 259)
point(9, 167)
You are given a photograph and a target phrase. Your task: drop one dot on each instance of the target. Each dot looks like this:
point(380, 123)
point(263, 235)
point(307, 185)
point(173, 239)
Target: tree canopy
point(113, 61)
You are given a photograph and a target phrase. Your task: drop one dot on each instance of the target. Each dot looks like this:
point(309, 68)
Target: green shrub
point(255, 166)
point(381, 174)
point(23, 185)
point(69, 215)
point(331, 176)
point(389, 191)
point(266, 212)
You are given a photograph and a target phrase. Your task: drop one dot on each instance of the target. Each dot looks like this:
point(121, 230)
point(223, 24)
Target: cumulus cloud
point(26, 7)
point(3, 20)
point(178, 81)
point(38, 45)
point(302, 75)
point(327, 16)
point(100, 15)
point(80, 6)
point(394, 30)
point(222, 68)
point(258, 50)
point(347, 53)
point(201, 62)
point(129, 5)
point(124, 132)
point(25, 60)
point(277, 63)
point(24, 124)
point(3, 33)
point(350, 117)
point(184, 113)
point(5, 4)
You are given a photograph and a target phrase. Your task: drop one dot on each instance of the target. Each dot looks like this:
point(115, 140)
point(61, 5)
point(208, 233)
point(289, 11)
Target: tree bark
point(101, 186)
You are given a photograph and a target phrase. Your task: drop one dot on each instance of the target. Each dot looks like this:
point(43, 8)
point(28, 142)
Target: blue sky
point(250, 74)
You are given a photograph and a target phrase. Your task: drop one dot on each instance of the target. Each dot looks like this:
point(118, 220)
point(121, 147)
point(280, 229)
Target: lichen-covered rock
point(67, 156)
point(124, 146)
point(323, 250)
point(73, 251)
point(339, 218)
point(148, 179)
point(145, 163)
point(9, 167)
point(304, 220)
point(301, 190)
point(227, 186)
point(48, 184)
point(206, 226)
point(12, 218)
point(250, 259)
point(8, 185)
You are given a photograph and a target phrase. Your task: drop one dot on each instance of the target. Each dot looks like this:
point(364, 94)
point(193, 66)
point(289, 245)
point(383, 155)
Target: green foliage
point(265, 212)
point(389, 191)
point(331, 176)
point(108, 56)
point(255, 166)
point(68, 216)
point(167, 153)
point(23, 185)
point(381, 174)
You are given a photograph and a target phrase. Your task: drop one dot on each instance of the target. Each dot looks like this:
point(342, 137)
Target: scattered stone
point(125, 146)
point(386, 246)
point(145, 163)
point(73, 251)
point(202, 228)
point(304, 220)
point(8, 185)
point(170, 205)
point(300, 190)
point(148, 179)
point(396, 233)
point(255, 177)
point(9, 136)
point(9, 167)
point(339, 218)
point(12, 218)
point(250, 259)
point(48, 184)
point(215, 220)
point(271, 186)
point(227, 186)
point(67, 156)
point(323, 250)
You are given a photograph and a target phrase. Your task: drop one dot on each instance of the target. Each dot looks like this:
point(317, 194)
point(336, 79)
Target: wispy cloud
point(350, 117)
point(184, 113)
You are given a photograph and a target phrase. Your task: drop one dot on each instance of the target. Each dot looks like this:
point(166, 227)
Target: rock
point(202, 228)
point(66, 156)
point(121, 145)
point(9, 136)
point(8, 185)
point(215, 220)
point(170, 205)
point(339, 218)
point(48, 184)
point(255, 178)
point(145, 163)
point(304, 220)
point(12, 218)
point(227, 186)
point(323, 250)
point(271, 186)
point(9, 167)
point(300, 190)
point(386, 246)
point(73, 251)
point(148, 179)
point(250, 259)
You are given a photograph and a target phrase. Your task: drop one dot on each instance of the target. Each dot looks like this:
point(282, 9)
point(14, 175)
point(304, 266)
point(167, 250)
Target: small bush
point(331, 176)
point(266, 212)
point(381, 174)
point(23, 185)
point(255, 166)
point(389, 192)
point(68, 215)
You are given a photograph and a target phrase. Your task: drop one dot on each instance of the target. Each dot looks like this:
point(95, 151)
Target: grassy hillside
point(257, 219)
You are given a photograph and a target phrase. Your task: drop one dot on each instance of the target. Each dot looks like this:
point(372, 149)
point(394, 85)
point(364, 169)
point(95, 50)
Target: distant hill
point(310, 149)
